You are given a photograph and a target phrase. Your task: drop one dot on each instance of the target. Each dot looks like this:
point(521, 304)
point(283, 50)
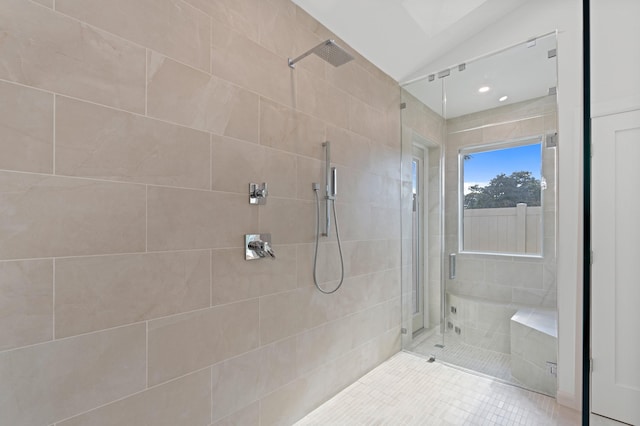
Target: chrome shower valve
point(258, 246)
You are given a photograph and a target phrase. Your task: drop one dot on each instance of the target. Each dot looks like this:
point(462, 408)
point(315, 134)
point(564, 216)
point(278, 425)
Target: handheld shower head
point(327, 50)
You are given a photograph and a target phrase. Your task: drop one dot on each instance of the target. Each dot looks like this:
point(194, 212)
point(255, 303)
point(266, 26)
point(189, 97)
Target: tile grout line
point(210, 278)
point(199, 129)
point(141, 391)
point(210, 161)
point(210, 49)
point(146, 219)
point(210, 395)
point(146, 383)
point(146, 82)
point(53, 155)
point(53, 302)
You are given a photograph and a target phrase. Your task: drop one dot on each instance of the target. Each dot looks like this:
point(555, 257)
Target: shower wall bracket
point(258, 193)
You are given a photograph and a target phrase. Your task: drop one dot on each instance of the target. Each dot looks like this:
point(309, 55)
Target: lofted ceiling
point(403, 36)
point(519, 73)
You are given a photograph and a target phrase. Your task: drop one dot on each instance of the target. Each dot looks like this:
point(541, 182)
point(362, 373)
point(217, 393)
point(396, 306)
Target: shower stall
point(479, 203)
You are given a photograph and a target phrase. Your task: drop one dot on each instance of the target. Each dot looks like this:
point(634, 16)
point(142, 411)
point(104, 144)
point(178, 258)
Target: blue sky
point(484, 166)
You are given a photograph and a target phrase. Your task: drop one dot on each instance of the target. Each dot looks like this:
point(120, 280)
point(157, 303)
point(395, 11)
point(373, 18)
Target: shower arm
point(292, 62)
point(329, 51)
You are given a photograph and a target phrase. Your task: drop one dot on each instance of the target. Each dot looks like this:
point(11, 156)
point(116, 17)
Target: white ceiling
point(402, 36)
point(521, 72)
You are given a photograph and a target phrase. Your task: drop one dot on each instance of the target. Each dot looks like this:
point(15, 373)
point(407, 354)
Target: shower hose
point(315, 253)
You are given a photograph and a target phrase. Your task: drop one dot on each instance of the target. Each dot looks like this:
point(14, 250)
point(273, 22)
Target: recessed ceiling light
point(484, 89)
point(504, 98)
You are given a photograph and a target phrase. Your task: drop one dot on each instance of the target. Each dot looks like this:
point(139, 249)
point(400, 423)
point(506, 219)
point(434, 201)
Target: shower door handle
point(452, 266)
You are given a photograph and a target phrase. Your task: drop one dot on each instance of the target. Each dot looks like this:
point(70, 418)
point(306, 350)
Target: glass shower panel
point(422, 131)
point(498, 215)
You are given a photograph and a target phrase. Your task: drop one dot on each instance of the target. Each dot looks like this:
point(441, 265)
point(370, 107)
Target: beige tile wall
point(129, 132)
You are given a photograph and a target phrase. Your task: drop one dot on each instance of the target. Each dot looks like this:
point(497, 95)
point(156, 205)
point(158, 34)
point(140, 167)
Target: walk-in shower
point(336, 56)
point(327, 50)
point(331, 182)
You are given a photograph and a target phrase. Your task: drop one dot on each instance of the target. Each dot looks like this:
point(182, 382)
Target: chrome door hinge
point(590, 365)
point(591, 258)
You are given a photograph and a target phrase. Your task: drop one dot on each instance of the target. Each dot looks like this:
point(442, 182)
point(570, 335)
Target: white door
point(615, 348)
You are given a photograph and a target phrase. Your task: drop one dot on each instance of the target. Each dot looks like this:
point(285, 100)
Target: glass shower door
point(496, 128)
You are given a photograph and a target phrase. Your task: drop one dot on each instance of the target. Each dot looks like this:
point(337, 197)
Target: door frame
point(419, 319)
point(421, 148)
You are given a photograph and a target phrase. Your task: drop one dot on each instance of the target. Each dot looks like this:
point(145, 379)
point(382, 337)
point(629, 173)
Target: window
point(501, 187)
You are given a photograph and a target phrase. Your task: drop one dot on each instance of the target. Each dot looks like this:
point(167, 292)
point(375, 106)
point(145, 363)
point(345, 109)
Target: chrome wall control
point(258, 193)
point(258, 246)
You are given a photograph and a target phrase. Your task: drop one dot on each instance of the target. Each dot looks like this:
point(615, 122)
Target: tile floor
point(409, 390)
point(495, 364)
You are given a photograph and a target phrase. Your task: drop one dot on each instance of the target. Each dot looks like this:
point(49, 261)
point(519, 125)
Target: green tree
point(505, 191)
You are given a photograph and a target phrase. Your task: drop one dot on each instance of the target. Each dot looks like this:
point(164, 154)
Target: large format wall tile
point(249, 415)
point(241, 15)
point(235, 163)
point(129, 137)
point(366, 120)
point(245, 63)
point(94, 293)
point(317, 97)
point(350, 149)
point(355, 80)
point(289, 130)
point(184, 343)
point(45, 383)
point(241, 380)
point(26, 129)
point(44, 49)
point(289, 221)
point(196, 99)
point(233, 278)
point(94, 141)
point(190, 219)
point(44, 216)
point(289, 403)
point(26, 303)
point(48, 3)
point(172, 27)
point(282, 315)
point(185, 401)
point(282, 33)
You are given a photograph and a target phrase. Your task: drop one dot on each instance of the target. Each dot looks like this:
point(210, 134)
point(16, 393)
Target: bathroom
point(129, 136)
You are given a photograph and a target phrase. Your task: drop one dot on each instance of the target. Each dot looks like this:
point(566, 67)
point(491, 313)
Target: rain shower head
point(327, 50)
